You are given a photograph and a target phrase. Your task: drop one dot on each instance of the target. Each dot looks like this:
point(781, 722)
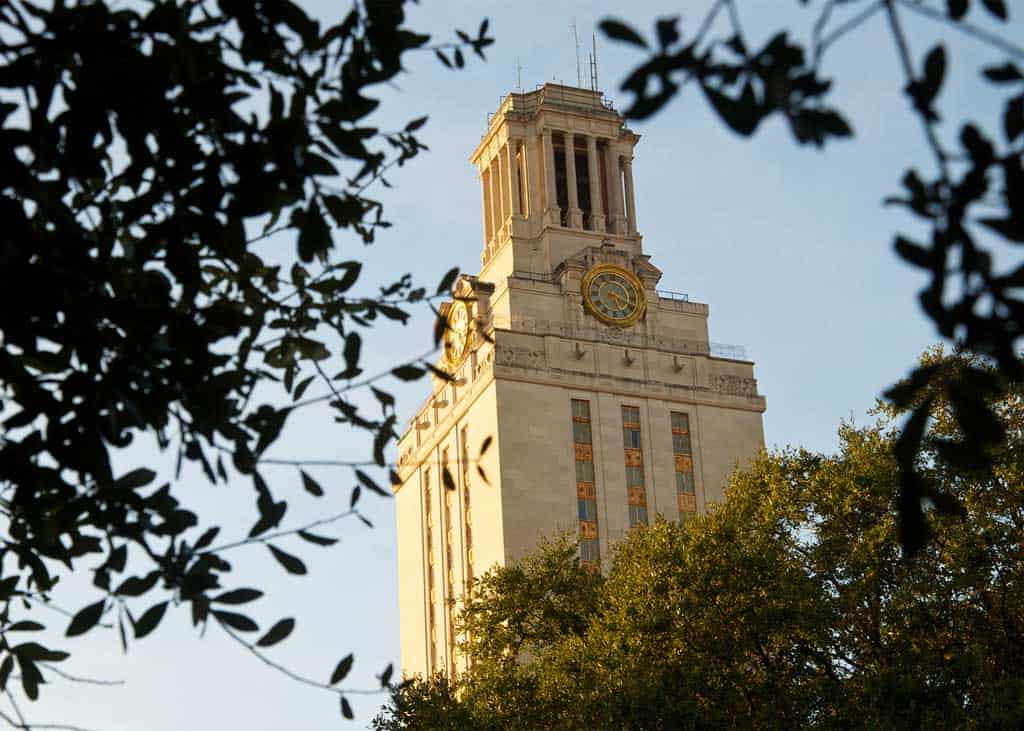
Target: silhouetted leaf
point(37, 653)
point(353, 345)
point(957, 8)
point(996, 8)
point(238, 596)
point(741, 115)
point(301, 388)
point(408, 372)
point(342, 669)
point(135, 479)
point(1007, 73)
point(207, 538)
point(290, 563)
point(278, 632)
point(315, 539)
point(448, 280)
point(914, 253)
point(31, 678)
point(137, 586)
point(1013, 118)
point(310, 485)
point(668, 31)
point(5, 671)
point(236, 621)
point(618, 31)
point(86, 618)
point(370, 484)
point(149, 620)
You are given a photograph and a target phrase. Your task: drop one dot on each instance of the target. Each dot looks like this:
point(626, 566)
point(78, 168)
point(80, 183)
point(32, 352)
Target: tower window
point(636, 492)
point(583, 187)
point(488, 220)
point(449, 554)
point(428, 535)
point(631, 427)
point(561, 180)
point(586, 498)
point(520, 159)
point(683, 456)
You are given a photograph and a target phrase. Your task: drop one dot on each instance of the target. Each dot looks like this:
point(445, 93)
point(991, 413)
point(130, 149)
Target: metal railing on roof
point(669, 294)
point(535, 276)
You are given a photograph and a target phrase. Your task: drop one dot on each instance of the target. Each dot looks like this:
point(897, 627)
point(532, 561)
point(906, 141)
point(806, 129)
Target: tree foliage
point(972, 202)
point(147, 152)
point(787, 606)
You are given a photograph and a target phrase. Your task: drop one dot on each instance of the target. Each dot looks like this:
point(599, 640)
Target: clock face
point(613, 295)
point(456, 337)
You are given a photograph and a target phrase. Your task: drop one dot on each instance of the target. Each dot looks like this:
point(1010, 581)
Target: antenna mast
point(593, 64)
point(576, 40)
point(519, 76)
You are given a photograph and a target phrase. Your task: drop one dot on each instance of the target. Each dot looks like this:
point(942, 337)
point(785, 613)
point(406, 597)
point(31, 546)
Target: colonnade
point(519, 181)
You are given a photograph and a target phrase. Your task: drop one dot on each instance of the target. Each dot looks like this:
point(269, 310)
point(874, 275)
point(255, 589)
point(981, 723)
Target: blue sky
point(790, 247)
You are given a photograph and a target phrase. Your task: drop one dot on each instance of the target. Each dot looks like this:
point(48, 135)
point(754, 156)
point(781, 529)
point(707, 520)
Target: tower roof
point(550, 97)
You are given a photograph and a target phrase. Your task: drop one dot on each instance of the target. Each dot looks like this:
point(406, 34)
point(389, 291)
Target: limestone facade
point(589, 427)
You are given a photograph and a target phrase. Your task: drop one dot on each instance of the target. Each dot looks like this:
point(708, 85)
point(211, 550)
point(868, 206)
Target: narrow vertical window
point(561, 177)
point(636, 493)
point(602, 157)
point(502, 201)
point(524, 205)
point(583, 183)
point(467, 517)
point(683, 455)
point(488, 222)
point(428, 520)
point(586, 497)
point(449, 554)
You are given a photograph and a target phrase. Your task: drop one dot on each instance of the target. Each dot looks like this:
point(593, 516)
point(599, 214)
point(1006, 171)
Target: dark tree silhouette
point(144, 150)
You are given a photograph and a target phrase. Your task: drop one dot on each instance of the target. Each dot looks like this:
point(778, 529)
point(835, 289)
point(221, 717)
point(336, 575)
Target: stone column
point(495, 198)
point(596, 210)
point(552, 213)
point(503, 208)
point(575, 214)
point(533, 165)
point(627, 172)
point(492, 192)
point(485, 204)
point(616, 219)
point(513, 177)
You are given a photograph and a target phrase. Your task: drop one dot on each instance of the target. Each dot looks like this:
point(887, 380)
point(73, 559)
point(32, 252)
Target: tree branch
point(280, 534)
point(79, 679)
point(908, 69)
point(293, 675)
point(844, 28)
point(967, 28)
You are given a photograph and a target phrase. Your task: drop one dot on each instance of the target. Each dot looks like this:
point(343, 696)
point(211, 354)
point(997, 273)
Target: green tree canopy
point(789, 605)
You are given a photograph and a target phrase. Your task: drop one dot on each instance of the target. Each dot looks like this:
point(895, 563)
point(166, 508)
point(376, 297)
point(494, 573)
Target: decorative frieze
point(734, 385)
point(520, 357)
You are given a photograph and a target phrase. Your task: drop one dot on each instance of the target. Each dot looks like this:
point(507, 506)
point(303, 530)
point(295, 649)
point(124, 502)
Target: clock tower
point(585, 397)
